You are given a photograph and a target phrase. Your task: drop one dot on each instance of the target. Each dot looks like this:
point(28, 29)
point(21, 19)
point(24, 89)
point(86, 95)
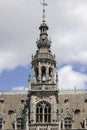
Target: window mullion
point(43, 114)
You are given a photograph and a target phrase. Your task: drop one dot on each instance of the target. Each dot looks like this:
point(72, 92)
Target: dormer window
point(1, 123)
point(11, 111)
point(20, 123)
point(68, 123)
point(86, 100)
point(1, 100)
point(77, 111)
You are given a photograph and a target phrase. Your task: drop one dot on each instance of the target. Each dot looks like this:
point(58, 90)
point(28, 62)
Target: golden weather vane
point(44, 15)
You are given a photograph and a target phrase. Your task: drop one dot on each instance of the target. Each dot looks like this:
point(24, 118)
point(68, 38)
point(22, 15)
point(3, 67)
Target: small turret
point(43, 62)
point(43, 41)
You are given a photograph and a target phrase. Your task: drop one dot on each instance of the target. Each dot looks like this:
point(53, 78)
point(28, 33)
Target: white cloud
point(69, 79)
point(19, 23)
point(20, 88)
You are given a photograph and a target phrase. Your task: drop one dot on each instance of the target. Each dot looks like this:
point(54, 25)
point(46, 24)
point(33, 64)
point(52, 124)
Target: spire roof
point(43, 41)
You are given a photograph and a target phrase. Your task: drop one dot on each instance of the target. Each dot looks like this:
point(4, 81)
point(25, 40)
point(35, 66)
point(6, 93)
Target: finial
point(29, 81)
point(44, 4)
point(56, 80)
point(56, 76)
point(28, 77)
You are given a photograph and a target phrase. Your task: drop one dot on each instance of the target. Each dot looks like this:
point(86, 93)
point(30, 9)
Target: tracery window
point(43, 112)
point(20, 123)
point(36, 72)
point(68, 123)
point(1, 123)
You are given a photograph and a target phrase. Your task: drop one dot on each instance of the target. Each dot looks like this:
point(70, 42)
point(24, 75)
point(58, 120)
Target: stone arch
point(43, 112)
point(43, 73)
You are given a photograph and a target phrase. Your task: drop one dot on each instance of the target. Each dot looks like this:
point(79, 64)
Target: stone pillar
point(59, 128)
point(63, 124)
point(32, 110)
point(27, 120)
point(37, 128)
point(15, 125)
point(29, 82)
point(47, 73)
point(54, 117)
point(15, 121)
point(85, 124)
point(56, 80)
point(39, 71)
point(31, 113)
point(34, 76)
point(3, 125)
point(52, 73)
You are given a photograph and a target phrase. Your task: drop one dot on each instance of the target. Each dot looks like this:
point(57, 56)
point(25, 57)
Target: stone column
point(33, 109)
point(53, 112)
point(39, 71)
point(52, 73)
point(34, 76)
point(27, 120)
point(56, 80)
point(3, 125)
point(59, 125)
point(31, 113)
point(15, 125)
point(47, 73)
point(15, 121)
point(29, 82)
point(63, 124)
point(85, 124)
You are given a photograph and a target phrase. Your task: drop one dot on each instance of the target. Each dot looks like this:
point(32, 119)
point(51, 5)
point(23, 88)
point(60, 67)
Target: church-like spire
point(43, 41)
point(43, 62)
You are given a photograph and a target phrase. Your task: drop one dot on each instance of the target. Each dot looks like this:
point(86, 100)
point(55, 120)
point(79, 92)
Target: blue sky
point(14, 78)
point(19, 29)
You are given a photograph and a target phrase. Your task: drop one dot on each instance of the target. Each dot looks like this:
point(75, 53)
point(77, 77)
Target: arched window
point(1, 123)
point(20, 123)
point(68, 123)
point(43, 112)
point(36, 72)
point(43, 75)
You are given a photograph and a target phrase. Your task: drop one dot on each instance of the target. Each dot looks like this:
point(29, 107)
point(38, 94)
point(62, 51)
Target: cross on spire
point(44, 4)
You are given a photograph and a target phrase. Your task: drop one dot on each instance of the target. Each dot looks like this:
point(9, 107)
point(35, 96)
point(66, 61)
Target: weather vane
point(44, 4)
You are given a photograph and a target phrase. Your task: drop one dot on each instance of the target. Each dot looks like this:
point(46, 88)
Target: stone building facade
point(69, 113)
point(43, 107)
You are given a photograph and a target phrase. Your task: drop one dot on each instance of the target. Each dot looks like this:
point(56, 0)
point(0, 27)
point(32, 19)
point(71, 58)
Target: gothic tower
point(43, 92)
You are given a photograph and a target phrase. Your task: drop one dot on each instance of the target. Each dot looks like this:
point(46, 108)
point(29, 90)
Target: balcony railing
point(46, 87)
